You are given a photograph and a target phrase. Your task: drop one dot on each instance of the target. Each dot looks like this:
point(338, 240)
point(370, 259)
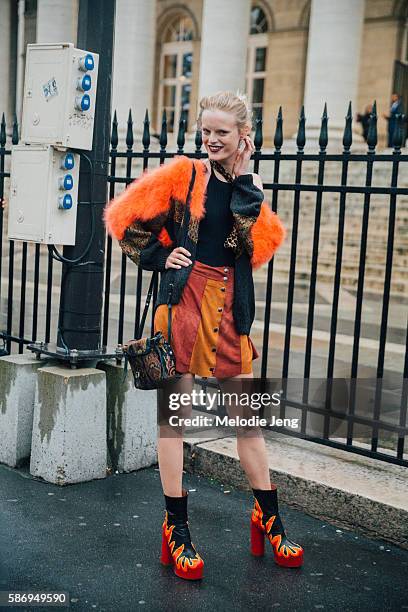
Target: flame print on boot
point(177, 547)
point(266, 522)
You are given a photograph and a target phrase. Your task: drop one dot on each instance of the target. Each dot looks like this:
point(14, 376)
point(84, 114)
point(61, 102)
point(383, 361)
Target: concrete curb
point(18, 376)
point(345, 489)
point(132, 425)
point(69, 425)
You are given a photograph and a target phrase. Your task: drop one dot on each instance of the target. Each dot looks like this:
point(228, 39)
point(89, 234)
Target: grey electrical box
point(59, 95)
point(43, 194)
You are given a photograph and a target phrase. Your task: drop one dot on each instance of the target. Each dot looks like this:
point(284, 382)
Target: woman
point(214, 303)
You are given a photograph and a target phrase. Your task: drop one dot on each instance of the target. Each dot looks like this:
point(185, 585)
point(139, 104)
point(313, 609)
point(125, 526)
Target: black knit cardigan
point(146, 219)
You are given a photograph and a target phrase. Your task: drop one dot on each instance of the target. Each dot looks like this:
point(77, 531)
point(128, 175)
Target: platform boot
point(266, 522)
point(177, 548)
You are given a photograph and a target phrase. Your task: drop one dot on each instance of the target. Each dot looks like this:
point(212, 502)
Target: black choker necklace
point(217, 166)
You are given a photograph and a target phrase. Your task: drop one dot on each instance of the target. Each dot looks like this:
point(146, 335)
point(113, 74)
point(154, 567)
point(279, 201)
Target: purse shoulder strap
point(185, 220)
point(186, 216)
point(146, 308)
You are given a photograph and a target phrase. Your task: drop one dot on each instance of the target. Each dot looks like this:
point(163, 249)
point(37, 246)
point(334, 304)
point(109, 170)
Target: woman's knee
point(248, 432)
point(170, 402)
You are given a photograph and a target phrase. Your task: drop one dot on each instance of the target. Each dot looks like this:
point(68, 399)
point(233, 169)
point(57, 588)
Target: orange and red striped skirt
point(204, 338)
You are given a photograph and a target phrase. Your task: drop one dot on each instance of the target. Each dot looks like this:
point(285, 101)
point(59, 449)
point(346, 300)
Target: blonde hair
point(229, 102)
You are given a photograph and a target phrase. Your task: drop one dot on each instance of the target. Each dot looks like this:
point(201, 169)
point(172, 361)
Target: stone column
point(224, 43)
point(133, 63)
point(57, 21)
point(333, 58)
point(5, 31)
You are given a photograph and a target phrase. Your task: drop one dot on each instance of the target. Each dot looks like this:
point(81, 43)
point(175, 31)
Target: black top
point(246, 200)
point(216, 225)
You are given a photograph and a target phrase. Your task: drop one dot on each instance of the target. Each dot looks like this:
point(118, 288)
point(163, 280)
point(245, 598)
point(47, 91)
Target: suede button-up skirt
point(204, 338)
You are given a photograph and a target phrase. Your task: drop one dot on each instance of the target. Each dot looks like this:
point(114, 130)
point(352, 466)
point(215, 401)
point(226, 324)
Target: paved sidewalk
point(99, 541)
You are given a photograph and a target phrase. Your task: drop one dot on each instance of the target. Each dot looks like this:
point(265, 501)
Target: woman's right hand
point(177, 258)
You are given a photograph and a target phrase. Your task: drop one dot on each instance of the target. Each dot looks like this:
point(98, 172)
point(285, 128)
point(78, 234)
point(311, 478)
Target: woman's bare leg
point(250, 445)
point(170, 439)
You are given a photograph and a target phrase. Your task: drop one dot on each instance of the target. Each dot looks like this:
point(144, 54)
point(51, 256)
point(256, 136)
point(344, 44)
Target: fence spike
point(129, 131)
point(146, 132)
point(301, 135)
point(114, 135)
point(278, 138)
point(348, 133)
point(14, 138)
point(181, 136)
point(3, 136)
point(397, 136)
point(372, 129)
point(163, 133)
point(323, 138)
point(258, 139)
point(198, 140)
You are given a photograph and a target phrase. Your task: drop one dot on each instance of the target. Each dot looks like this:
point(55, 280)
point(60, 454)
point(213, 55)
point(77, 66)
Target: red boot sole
point(165, 557)
point(257, 541)
point(291, 562)
point(258, 549)
point(167, 560)
point(190, 574)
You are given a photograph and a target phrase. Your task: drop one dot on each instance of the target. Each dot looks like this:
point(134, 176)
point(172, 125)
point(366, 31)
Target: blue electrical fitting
point(66, 182)
point(86, 62)
point(67, 162)
point(83, 103)
point(84, 83)
point(65, 202)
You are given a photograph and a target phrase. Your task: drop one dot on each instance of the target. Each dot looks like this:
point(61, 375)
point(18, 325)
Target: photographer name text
point(225, 421)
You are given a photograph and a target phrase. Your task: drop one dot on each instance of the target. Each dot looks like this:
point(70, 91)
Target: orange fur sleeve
point(267, 235)
point(147, 198)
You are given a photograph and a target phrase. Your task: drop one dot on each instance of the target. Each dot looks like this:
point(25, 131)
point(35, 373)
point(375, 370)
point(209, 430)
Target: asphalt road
point(99, 541)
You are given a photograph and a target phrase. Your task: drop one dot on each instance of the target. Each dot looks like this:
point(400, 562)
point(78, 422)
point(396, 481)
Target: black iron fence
point(313, 193)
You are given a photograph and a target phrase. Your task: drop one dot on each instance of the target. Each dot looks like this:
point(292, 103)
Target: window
point(176, 67)
point(259, 23)
point(179, 29)
point(256, 61)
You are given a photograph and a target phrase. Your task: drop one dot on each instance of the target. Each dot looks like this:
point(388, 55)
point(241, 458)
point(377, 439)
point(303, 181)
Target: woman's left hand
point(243, 158)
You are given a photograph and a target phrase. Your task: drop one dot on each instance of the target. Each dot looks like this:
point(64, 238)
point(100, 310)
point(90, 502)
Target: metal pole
point(82, 282)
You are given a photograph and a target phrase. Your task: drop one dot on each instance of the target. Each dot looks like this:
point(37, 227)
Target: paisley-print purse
point(152, 360)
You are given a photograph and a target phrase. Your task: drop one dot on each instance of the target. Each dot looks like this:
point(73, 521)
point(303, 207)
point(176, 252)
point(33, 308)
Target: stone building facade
point(168, 53)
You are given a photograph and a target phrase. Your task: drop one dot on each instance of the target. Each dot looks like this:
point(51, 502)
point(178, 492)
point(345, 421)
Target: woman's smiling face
point(220, 134)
